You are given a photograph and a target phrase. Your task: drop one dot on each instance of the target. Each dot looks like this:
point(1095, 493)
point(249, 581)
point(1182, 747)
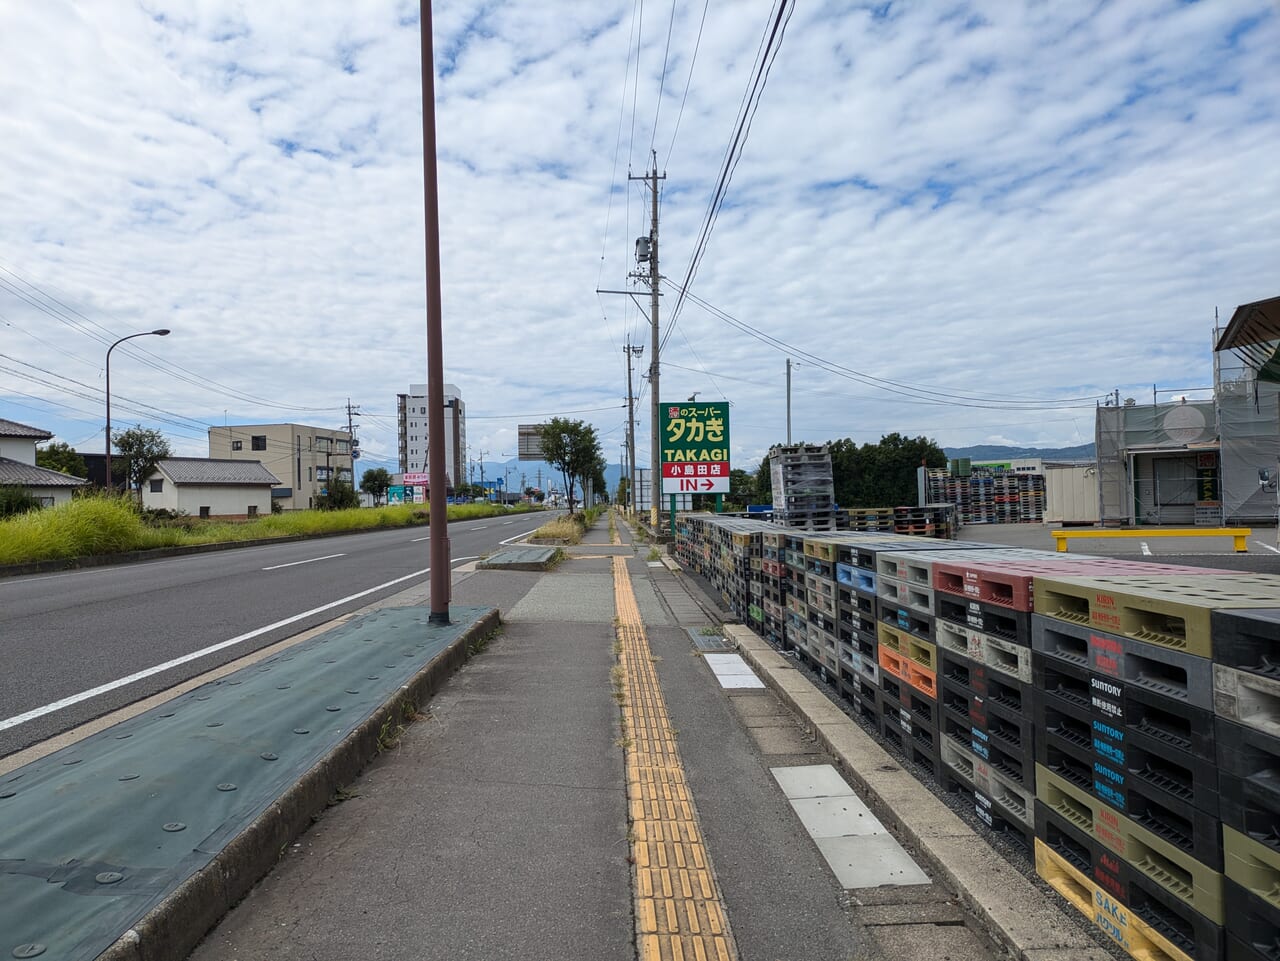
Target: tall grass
point(105, 524)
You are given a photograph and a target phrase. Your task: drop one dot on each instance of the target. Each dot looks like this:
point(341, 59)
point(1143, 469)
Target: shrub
point(16, 500)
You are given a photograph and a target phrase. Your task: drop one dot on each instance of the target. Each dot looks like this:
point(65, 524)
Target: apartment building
point(304, 458)
point(411, 422)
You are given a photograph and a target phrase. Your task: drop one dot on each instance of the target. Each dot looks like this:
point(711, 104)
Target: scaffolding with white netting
point(1249, 423)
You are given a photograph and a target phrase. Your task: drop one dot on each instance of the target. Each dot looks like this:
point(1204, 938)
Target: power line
point(928, 395)
point(67, 314)
point(771, 42)
point(662, 79)
point(688, 80)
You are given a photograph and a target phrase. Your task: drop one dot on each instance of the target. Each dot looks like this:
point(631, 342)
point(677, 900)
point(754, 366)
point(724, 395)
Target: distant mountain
point(994, 452)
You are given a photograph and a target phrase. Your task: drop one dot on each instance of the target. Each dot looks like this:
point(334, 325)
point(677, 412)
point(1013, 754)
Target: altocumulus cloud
point(1000, 211)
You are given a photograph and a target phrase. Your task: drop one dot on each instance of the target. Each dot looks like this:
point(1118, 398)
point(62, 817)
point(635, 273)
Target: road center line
point(34, 713)
point(312, 560)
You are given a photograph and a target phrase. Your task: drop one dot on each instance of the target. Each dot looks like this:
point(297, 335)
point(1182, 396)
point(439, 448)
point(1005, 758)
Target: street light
point(145, 333)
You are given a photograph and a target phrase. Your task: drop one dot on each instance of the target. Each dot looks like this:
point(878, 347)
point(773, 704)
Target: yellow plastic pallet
point(1172, 611)
point(1135, 936)
point(1187, 879)
point(1252, 865)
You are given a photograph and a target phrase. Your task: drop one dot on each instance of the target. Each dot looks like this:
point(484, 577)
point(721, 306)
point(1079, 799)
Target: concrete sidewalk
point(499, 826)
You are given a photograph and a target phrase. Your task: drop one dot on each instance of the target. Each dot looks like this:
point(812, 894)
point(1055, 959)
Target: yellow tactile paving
point(679, 915)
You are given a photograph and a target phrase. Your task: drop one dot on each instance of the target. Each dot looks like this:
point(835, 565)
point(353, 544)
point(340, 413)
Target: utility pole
point(441, 581)
point(655, 452)
point(352, 443)
point(632, 351)
point(788, 401)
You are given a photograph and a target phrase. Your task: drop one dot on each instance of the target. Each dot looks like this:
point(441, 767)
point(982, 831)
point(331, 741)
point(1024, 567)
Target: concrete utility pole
point(439, 508)
point(632, 351)
point(655, 442)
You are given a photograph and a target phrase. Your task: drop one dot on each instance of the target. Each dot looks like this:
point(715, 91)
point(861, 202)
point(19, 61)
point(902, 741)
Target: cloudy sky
point(963, 220)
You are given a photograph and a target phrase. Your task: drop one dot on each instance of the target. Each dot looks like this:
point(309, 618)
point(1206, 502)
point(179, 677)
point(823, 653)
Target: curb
point(1008, 905)
point(176, 925)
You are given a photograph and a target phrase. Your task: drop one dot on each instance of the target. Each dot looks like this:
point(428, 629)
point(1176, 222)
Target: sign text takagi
point(695, 448)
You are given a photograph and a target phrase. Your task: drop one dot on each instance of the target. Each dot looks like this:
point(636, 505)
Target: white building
point(18, 465)
point(203, 487)
point(411, 421)
point(304, 458)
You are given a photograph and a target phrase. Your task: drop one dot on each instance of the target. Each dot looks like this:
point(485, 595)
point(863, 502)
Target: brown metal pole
point(439, 508)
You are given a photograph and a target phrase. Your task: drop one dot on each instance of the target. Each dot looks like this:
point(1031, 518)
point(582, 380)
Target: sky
point(968, 221)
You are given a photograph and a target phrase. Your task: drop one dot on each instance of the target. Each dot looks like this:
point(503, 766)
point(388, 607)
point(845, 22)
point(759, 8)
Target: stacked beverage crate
point(1144, 719)
point(803, 489)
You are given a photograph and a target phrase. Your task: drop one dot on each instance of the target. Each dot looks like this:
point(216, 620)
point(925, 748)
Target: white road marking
point(507, 523)
point(34, 713)
point(416, 539)
point(1145, 549)
point(483, 528)
point(1273, 550)
point(327, 557)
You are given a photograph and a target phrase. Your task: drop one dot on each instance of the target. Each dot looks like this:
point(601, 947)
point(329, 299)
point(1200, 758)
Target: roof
point(11, 428)
point(25, 475)
point(208, 470)
point(1255, 323)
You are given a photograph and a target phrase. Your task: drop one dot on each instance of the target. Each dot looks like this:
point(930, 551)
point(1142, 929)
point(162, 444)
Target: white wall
point(21, 449)
point(60, 495)
point(223, 500)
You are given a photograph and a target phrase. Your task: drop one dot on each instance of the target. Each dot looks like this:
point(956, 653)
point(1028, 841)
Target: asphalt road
point(65, 635)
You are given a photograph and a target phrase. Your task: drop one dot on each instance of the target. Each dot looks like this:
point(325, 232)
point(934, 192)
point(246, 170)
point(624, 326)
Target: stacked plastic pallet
point(729, 553)
point(1120, 719)
point(990, 497)
point(1246, 676)
point(803, 490)
point(1151, 729)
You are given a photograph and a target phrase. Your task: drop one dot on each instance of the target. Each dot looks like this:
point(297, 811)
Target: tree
point(623, 497)
point(599, 485)
point(883, 474)
point(63, 458)
point(341, 496)
point(375, 482)
point(572, 447)
point(143, 448)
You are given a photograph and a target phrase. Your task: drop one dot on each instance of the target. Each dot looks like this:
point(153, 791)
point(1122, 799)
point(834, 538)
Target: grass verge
point(108, 524)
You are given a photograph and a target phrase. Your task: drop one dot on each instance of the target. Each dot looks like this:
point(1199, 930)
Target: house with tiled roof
point(210, 487)
point(18, 465)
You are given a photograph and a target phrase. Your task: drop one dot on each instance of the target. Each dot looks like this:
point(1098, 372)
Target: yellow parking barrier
point(1237, 534)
